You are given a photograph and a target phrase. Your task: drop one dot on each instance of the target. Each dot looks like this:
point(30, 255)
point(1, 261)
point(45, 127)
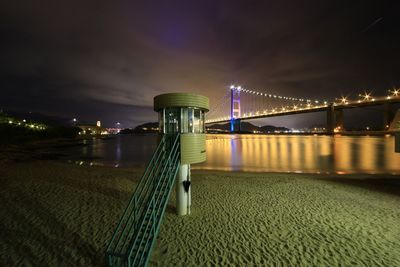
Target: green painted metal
point(181, 100)
point(134, 237)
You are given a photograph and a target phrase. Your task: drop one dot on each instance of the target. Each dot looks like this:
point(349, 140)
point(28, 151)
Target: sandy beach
point(59, 214)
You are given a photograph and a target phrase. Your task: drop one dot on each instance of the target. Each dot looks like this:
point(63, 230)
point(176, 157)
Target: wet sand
point(57, 214)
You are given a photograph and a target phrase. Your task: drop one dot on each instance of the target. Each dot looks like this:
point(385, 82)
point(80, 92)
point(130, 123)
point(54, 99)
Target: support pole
point(183, 198)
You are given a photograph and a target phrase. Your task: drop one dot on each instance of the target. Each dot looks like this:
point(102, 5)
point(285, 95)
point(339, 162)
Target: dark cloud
point(107, 60)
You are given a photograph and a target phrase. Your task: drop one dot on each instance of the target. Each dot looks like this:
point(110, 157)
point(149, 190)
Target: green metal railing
point(134, 237)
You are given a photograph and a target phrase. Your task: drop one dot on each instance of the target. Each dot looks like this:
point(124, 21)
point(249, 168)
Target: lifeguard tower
point(181, 143)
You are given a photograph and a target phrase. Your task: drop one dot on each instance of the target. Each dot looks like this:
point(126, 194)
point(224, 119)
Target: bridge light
point(396, 92)
point(388, 97)
point(366, 96)
point(232, 87)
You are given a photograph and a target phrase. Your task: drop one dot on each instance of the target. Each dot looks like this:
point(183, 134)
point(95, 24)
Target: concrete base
point(183, 197)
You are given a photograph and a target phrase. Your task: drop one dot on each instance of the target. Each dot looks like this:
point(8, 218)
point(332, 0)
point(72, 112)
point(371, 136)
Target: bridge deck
point(341, 106)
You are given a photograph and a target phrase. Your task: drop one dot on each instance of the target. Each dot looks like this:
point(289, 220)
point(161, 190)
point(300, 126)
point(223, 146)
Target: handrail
point(140, 203)
point(159, 209)
point(136, 232)
point(133, 198)
point(148, 208)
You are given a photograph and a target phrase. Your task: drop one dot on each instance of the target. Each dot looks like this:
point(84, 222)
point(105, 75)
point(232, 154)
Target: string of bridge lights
point(366, 97)
point(241, 89)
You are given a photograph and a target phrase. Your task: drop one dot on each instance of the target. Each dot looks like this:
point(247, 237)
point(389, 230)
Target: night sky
point(106, 60)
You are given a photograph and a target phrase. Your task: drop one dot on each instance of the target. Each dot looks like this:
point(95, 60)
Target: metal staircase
point(134, 237)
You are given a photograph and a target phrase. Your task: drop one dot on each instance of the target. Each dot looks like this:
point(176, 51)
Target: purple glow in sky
point(105, 60)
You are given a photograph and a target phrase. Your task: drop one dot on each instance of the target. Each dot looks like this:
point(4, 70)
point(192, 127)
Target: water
point(309, 154)
point(258, 153)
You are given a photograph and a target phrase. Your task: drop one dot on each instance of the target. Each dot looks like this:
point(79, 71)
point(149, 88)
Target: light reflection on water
point(258, 153)
point(309, 154)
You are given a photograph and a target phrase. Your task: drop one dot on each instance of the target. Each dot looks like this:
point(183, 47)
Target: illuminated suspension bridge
point(239, 104)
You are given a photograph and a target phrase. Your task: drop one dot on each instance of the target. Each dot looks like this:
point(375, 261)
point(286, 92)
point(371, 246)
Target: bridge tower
point(235, 107)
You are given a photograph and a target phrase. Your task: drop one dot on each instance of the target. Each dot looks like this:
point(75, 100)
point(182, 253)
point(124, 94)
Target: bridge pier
point(334, 119)
point(235, 125)
point(388, 116)
point(330, 119)
point(339, 119)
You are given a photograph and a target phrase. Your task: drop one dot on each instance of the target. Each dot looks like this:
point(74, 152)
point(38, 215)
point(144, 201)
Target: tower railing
point(134, 237)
